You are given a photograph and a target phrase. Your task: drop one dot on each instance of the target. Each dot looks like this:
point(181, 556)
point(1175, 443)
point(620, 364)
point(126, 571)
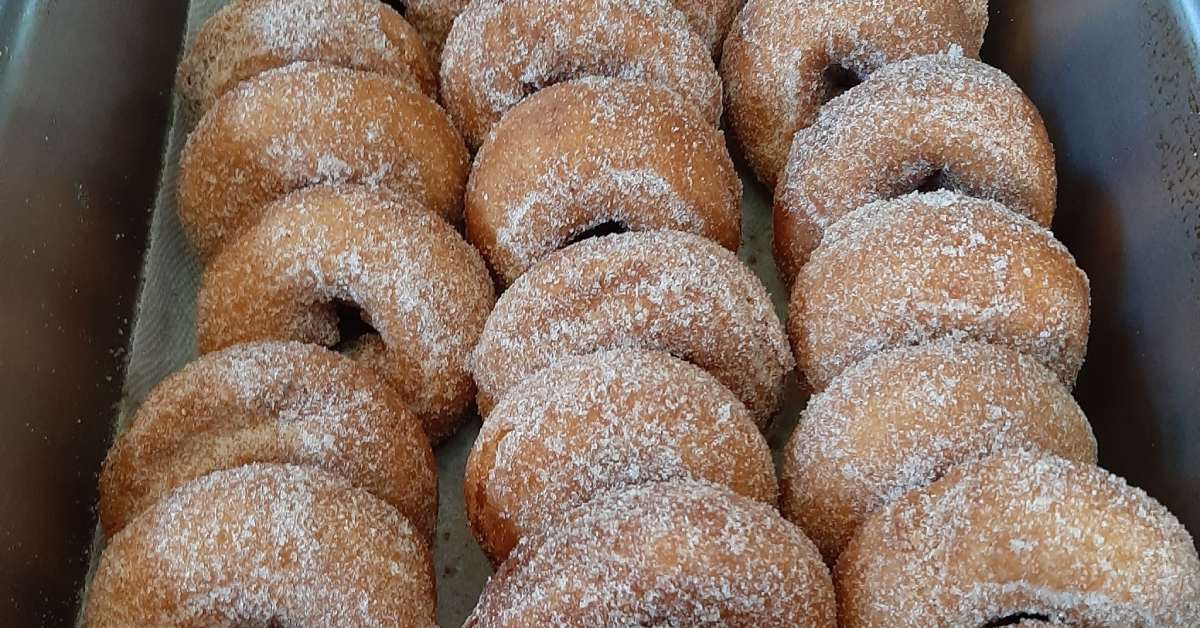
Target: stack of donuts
point(941, 466)
point(942, 474)
point(286, 477)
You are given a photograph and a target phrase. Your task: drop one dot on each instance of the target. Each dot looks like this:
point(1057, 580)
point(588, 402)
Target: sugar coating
point(1021, 533)
point(663, 554)
point(593, 423)
point(265, 545)
point(778, 51)
point(900, 419)
point(501, 51)
point(271, 402)
point(309, 124)
point(594, 150)
point(709, 19)
point(417, 282)
point(928, 266)
point(958, 120)
point(657, 290)
point(247, 37)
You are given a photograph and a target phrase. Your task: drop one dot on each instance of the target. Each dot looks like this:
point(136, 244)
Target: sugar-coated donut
point(271, 402)
point(781, 55)
point(663, 554)
point(424, 290)
point(594, 423)
point(501, 51)
point(592, 152)
point(938, 120)
point(900, 419)
point(926, 266)
point(307, 124)
point(265, 545)
point(1021, 536)
point(657, 290)
point(248, 37)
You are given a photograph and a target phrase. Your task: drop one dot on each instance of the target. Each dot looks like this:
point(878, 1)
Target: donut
point(320, 252)
point(1021, 536)
point(501, 51)
point(934, 121)
point(248, 37)
point(590, 424)
point(663, 554)
point(307, 124)
point(899, 419)
point(709, 19)
point(940, 264)
point(593, 152)
point(265, 545)
point(271, 402)
point(783, 59)
point(657, 290)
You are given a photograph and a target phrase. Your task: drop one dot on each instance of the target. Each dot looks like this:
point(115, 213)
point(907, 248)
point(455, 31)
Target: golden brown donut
point(1021, 535)
point(785, 58)
point(248, 37)
point(657, 290)
point(899, 419)
point(271, 402)
point(422, 288)
point(595, 423)
point(935, 121)
point(265, 545)
point(501, 51)
point(663, 554)
point(595, 152)
point(927, 266)
point(307, 124)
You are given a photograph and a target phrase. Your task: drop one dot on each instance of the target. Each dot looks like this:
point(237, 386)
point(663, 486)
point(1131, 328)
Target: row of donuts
point(322, 141)
point(942, 465)
point(620, 476)
point(274, 480)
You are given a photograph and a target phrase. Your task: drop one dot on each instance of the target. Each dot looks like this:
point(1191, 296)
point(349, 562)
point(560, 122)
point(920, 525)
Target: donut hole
point(606, 228)
point(1018, 618)
point(533, 84)
point(838, 79)
point(353, 325)
point(933, 182)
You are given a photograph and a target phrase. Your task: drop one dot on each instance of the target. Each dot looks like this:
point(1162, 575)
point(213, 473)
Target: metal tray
point(84, 102)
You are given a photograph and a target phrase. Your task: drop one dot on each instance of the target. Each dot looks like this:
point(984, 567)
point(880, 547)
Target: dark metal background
point(83, 111)
point(84, 94)
point(1116, 81)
